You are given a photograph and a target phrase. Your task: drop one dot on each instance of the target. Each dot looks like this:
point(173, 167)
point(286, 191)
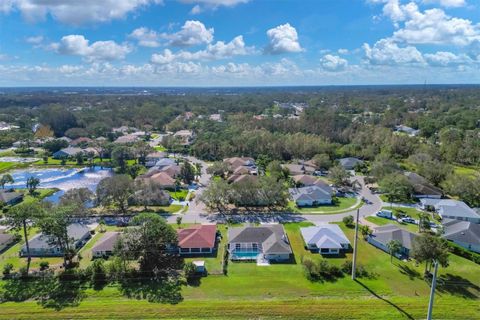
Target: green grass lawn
point(180, 194)
point(343, 204)
point(39, 195)
point(379, 221)
point(160, 148)
point(394, 291)
point(4, 166)
point(467, 171)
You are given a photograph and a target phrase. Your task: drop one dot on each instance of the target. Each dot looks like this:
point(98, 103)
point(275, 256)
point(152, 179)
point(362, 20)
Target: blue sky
point(238, 42)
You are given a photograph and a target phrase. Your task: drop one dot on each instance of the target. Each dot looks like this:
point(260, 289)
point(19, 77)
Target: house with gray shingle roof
point(325, 238)
point(451, 209)
point(422, 188)
point(464, 233)
point(268, 241)
point(106, 245)
point(6, 240)
point(311, 196)
point(349, 163)
point(10, 197)
point(381, 236)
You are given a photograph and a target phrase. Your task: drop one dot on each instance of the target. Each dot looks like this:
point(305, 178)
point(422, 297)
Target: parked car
point(408, 220)
point(385, 214)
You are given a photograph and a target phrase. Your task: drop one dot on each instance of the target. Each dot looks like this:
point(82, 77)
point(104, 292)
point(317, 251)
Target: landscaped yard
point(343, 204)
point(179, 194)
point(4, 166)
point(394, 291)
point(412, 212)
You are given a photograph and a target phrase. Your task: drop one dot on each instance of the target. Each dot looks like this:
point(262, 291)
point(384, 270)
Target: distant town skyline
point(238, 42)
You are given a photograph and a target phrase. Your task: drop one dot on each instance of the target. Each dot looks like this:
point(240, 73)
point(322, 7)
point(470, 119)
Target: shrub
point(7, 270)
point(23, 272)
point(189, 271)
point(348, 221)
point(44, 265)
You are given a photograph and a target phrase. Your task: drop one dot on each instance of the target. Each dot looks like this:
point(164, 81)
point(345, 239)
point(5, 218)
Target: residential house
point(422, 188)
point(303, 180)
point(216, 117)
point(172, 170)
point(69, 152)
point(164, 162)
point(41, 246)
point(381, 236)
point(185, 137)
point(6, 240)
point(464, 233)
point(80, 141)
point(10, 197)
point(350, 163)
point(241, 167)
point(197, 239)
point(106, 245)
point(244, 178)
point(311, 196)
point(265, 242)
point(410, 131)
point(126, 139)
point(160, 178)
point(299, 169)
point(451, 209)
point(325, 239)
point(152, 158)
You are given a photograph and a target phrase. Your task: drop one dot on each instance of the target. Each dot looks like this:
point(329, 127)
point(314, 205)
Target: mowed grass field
point(393, 291)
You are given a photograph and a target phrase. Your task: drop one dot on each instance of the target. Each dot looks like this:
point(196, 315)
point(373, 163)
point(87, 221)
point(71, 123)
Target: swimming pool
point(244, 255)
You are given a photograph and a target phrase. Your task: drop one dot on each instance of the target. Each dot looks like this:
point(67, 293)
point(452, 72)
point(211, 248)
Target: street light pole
point(432, 290)
point(354, 261)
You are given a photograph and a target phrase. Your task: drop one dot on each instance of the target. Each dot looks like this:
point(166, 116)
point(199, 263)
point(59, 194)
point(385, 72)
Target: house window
point(184, 249)
point(205, 249)
point(237, 246)
point(325, 250)
point(195, 250)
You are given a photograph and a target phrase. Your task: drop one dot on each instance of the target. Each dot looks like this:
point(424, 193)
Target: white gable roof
point(324, 236)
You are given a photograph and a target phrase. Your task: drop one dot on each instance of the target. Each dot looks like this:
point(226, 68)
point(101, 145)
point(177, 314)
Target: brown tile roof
point(162, 178)
point(198, 236)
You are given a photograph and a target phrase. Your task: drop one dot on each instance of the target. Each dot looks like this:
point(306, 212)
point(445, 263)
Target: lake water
point(61, 178)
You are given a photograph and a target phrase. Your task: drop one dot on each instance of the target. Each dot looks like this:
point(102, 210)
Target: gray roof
point(165, 162)
point(8, 196)
point(272, 237)
point(71, 151)
point(462, 231)
point(314, 193)
point(349, 162)
point(452, 208)
point(107, 243)
point(75, 230)
point(5, 238)
point(421, 186)
point(324, 236)
point(389, 232)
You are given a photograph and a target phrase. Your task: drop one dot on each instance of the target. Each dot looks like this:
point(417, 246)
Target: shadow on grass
point(457, 286)
point(409, 271)
point(407, 315)
point(50, 291)
point(153, 290)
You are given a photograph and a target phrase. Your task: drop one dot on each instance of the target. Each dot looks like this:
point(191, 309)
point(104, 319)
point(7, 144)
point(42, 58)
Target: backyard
point(393, 290)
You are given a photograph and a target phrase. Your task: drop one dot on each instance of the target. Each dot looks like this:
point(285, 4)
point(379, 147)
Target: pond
point(61, 178)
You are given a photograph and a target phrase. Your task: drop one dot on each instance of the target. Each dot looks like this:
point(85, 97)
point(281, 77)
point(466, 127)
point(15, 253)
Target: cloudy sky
point(238, 42)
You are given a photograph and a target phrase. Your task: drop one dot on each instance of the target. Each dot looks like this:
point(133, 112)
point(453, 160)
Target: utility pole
point(432, 290)
point(354, 262)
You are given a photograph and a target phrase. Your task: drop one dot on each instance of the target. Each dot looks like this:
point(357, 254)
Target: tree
point(423, 221)
point(394, 247)
point(365, 231)
point(179, 221)
point(189, 270)
point(466, 187)
point(218, 168)
point(348, 220)
point(115, 191)
point(322, 161)
point(216, 195)
point(120, 155)
point(32, 184)
point(339, 176)
point(396, 187)
point(6, 179)
point(151, 240)
point(427, 248)
point(55, 226)
point(79, 158)
point(142, 149)
point(77, 198)
point(44, 132)
point(19, 216)
point(134, 170)
point(277, 171)
point(55, 145)
point(198, 169)
point(187, 172)
point(59, 118)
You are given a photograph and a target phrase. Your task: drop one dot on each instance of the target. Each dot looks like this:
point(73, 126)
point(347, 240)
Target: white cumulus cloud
point(78, 45)
point(203, 5)
point(333, 63)
point(282, 39)
point(75, 12)
point(387, 52)
point(145, 37)
point(192, 33)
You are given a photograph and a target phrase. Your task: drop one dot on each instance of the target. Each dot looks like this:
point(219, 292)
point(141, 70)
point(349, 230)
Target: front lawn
point(379, 221)
point(343, 204)
point(39, 195)
point(179, 195)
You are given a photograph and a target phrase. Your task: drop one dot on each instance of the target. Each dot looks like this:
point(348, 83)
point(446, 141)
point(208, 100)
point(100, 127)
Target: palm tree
point(394, 247)
point(198, 169)
point(423, 220)
point(6, 179)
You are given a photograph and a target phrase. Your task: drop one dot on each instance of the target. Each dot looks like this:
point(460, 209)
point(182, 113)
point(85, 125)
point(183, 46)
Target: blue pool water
point(63, 179)
point(245, 255)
